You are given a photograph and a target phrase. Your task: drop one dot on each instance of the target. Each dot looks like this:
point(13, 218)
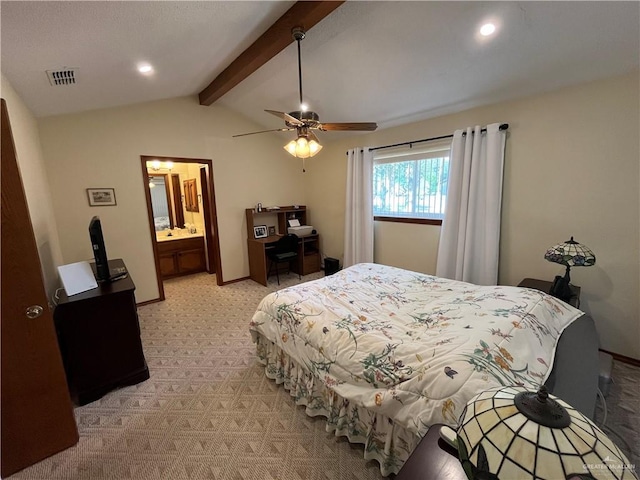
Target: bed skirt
point(387, 443)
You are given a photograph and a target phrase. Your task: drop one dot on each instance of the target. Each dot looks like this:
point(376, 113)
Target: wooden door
point(36, 411)
point(177, 200)
point(191, 195)
point(208, 211)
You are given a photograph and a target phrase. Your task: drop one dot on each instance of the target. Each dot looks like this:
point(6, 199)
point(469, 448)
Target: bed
point(383, 353)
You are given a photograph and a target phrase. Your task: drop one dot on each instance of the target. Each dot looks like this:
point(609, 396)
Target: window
point(411, 183)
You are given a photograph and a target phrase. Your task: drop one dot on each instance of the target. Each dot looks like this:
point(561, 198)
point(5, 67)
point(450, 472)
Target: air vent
point(64, 76)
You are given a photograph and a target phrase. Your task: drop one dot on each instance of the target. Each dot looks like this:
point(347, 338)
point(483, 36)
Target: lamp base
point(561, 289)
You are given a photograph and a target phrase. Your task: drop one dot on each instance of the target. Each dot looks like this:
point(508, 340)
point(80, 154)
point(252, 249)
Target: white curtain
point(470, 234)
point(358, 228)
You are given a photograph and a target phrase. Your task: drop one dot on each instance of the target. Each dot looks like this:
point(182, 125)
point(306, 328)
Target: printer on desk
point(297, 229)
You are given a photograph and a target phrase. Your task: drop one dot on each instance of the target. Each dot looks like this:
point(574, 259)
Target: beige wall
point(404, 245)
point(30, 162)
point(102, 149)
point(572, 168)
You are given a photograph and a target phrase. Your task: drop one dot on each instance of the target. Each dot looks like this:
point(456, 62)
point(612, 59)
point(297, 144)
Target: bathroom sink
point(165, 237)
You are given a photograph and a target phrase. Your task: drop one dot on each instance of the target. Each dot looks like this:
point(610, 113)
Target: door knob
point(34, 311)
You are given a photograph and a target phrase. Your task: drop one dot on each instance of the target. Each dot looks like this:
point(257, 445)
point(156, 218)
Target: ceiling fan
point(304, 121)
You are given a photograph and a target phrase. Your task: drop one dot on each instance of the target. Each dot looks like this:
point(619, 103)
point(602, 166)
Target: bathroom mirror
point(161, 201)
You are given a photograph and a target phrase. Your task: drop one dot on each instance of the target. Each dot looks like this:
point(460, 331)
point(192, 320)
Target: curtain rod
point(503, 126)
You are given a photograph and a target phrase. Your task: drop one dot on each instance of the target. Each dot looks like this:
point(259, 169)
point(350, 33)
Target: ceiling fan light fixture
point(314, 147)
point(291, 147)
point(301, 147)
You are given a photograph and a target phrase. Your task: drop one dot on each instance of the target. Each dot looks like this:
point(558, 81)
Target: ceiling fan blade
point(312, 136)
point(286, 117)
point(265, 131)
point(357, 126)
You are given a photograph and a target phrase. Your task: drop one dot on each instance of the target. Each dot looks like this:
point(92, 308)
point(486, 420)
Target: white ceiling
point(388, 62)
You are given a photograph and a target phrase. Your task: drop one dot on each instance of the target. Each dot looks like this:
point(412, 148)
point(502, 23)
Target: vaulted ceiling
point(389, 62)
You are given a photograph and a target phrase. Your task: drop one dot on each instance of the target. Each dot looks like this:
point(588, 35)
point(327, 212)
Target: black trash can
point(331, 266)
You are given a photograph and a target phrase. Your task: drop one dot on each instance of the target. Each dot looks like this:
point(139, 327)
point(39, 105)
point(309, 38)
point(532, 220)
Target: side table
point(432, 459)
point(545, 286)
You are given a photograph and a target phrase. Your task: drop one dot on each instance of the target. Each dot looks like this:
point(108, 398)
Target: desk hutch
point(308, 247)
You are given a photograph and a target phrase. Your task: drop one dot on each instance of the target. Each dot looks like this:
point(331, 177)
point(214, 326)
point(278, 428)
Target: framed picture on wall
point(260, 231)
point(101, 197)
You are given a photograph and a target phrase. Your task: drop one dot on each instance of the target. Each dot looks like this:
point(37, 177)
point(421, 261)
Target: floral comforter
point(410, 346)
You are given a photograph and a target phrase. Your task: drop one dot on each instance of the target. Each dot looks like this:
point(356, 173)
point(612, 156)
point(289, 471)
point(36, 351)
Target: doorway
point(181, 206)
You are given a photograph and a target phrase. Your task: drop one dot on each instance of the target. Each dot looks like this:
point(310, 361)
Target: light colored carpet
point(209, 412)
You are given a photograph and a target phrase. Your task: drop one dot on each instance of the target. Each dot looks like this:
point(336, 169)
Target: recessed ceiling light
point(487, 29)
point(146, 68)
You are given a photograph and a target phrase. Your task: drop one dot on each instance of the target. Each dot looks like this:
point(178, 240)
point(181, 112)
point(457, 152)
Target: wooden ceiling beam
point(303, 14)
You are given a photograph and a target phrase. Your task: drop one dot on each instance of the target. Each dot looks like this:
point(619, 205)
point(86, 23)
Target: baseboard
point(236, 280)
point(149, 302)
point(622, 358)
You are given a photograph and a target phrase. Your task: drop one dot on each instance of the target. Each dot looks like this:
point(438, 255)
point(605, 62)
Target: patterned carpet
point(623, 411)
point(209, 412)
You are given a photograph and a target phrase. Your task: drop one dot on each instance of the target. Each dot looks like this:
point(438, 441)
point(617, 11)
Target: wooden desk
point(99, 337)
point(258, 257)
point(308, 249)
point(308, 256)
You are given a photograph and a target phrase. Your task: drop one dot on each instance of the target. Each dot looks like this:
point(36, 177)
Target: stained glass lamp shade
point(569, 254)
point(510, 433)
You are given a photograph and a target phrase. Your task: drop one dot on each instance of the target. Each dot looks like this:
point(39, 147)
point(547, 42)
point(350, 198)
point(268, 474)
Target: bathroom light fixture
point(156, 165)
point(145, 68)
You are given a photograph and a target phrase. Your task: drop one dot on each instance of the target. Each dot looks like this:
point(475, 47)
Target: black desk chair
point(284, 251)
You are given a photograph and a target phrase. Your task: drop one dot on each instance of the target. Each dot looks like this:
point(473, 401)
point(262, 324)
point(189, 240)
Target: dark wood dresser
point(99, 337)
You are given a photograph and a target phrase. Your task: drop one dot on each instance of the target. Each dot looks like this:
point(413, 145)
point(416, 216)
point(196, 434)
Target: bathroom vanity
point(181, 255)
